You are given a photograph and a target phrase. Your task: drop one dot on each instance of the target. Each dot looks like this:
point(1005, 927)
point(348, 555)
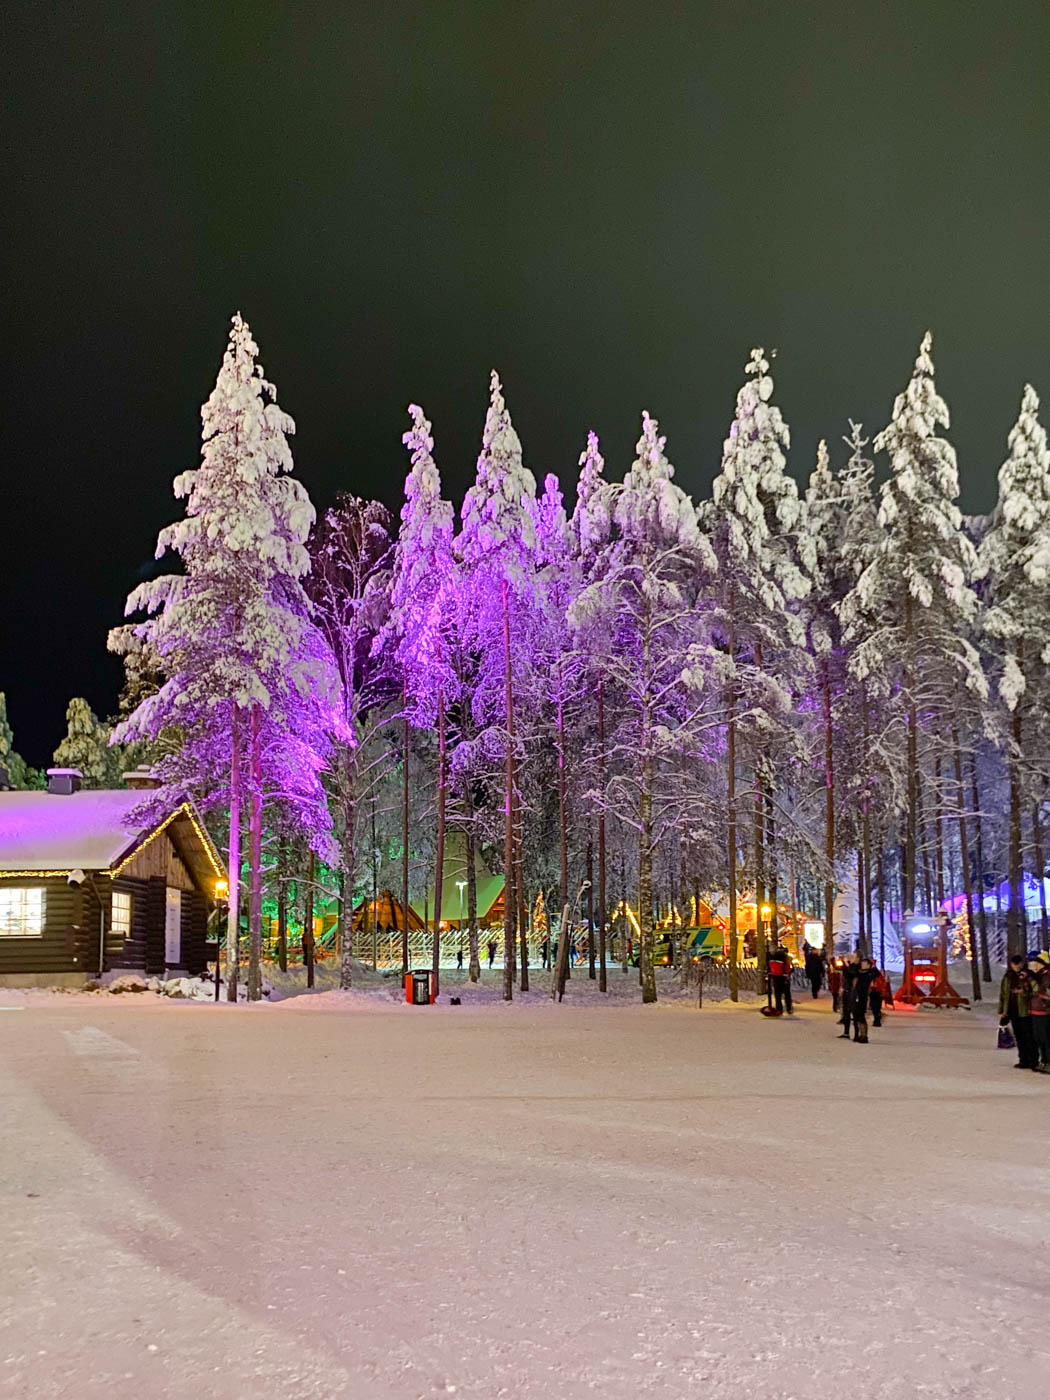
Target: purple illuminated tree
point(559, 669)
point(349, 589)
point(422, 608)
point(591, 528)
point(496, 545)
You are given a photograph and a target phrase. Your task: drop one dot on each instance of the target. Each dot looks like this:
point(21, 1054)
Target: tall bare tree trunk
point(233, 922)
point(591, 969)
point(508, 832)
point(439, 855)
point(829, 816)
point(282, 916)
point(731, 851)
point(521, 919)
point(862, 938)
point(938, 830)
point(647, 971)
point(308, 921)
point(964, 851)
point(1040, 872)
point(982, 915)
point(404, 848)
point(348, 874)
point(1016, 925)
point(474, 960)
point(255, 863)
point(758, 830)
point(882, 906)
point(603, 984)
point(911, 842)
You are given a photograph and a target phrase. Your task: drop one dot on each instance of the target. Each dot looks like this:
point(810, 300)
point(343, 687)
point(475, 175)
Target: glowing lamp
point(222, 889)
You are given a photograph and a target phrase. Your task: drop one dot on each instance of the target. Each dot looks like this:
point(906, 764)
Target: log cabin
point(85, 888)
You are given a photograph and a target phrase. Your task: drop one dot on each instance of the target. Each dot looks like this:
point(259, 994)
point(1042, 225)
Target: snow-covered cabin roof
point(45, 831)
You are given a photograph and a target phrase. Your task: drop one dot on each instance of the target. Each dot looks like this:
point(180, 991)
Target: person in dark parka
point(850, 969)
point(814, 970)
point(860, 996)
point(1015, 1010)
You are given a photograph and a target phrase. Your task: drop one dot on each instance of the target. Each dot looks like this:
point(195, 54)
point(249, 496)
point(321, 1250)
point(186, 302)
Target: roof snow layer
point(79, 831)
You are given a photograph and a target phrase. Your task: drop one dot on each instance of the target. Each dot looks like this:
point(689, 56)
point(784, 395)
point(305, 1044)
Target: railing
point(748, 980)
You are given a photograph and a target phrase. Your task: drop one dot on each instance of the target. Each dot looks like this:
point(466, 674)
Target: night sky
point(609, 202)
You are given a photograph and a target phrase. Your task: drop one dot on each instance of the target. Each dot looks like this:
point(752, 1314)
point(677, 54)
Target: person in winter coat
point(860, 994)
point(1039, 972)
point(778, 970)
point(835, 982)
point(491, 949)
point(1015, 1010)
point(814, 970)
point(877, 995)
point(850, 968)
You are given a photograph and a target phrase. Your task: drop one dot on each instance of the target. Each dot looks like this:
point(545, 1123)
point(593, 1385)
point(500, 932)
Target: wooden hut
point(84, 888)
point(384, 914)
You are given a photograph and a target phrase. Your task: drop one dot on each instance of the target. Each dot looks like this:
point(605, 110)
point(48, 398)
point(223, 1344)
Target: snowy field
point(339, 1196)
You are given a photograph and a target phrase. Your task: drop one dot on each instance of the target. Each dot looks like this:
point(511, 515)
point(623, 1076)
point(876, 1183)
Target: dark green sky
point(611, 203)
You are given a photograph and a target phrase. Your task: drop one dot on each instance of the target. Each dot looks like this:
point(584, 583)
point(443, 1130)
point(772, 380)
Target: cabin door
point(173, 928)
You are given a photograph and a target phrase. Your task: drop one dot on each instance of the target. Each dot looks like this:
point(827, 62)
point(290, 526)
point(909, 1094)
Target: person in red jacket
point(778, 969)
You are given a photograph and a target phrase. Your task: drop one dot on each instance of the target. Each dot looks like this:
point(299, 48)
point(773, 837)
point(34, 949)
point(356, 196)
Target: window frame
point(126, 904)
point(39, 916)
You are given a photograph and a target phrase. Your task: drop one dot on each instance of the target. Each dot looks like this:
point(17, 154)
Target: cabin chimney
point(64, 781)
point(138, 778)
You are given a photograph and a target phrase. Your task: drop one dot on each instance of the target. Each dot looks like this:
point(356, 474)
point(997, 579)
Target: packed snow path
point(308, 1200)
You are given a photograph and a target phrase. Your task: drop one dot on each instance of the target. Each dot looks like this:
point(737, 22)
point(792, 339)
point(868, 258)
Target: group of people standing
point(858, 986)
point(1024, 1006)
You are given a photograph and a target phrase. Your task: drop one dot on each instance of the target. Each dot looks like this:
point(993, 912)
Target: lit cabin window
point(120, 921)
point(21, 912)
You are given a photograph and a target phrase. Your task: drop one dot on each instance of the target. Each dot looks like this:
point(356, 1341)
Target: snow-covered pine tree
point(764, 553)
point(907, 617)
point(647, 589)
point(86, 746)
point(591, 527)
point(496, 545)
point(557, 659)
point(1014, 562)
point(232, 631)
point(422, 609)
point(19, 774)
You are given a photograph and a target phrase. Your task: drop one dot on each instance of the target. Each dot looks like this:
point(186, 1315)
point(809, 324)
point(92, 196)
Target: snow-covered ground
point(516, 1201)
